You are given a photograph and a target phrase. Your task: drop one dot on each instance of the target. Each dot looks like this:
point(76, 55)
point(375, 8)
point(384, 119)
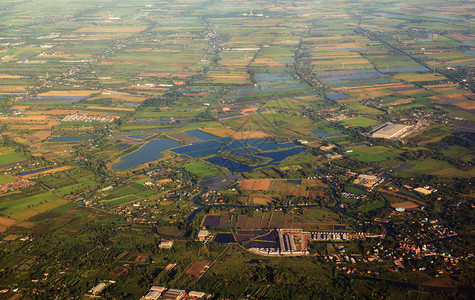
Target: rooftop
point(389, 130)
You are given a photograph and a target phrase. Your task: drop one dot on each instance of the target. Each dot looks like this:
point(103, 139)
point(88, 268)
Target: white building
point(390, 131)
point(165, 244)
point(203, 234)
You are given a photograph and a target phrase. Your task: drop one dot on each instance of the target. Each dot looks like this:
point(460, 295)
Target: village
point(89, 118)
point(15, 185)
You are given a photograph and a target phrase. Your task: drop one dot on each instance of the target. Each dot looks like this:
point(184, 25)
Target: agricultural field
point(8, 156)
point(371, 154)
point(10, 208)
point(202, 169)
point(309, 188)
point(308, 219)
point(128, 123)
point(359, 121)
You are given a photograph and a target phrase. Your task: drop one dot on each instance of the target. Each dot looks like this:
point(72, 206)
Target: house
point(165, 244)
point(98, 288)
point(202, 235)
point(173, 294)
point(424, 190)
point(154, 293)
point(198, 295)
point(368, 182)
point(158, 288)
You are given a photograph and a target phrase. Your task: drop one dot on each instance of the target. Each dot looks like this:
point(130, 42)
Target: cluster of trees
point(435, 151)
point(166, 99)
point(205, 115)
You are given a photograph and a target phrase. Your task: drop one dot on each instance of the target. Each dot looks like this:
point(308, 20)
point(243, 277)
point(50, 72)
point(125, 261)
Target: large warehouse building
point(390, 131)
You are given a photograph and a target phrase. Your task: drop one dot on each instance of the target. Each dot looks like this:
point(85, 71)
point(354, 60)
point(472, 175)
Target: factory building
point(390, 131)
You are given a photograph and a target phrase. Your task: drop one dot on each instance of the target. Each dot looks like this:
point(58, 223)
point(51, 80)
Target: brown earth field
point(68, 93)
point(11, 237)
point(256, 184)
point(5, 223)
point(283, 186)
point(237, 135)
point(184, 137)
point(405, 205)
point(411, 92)
point(462, 37)
point(54, 112)
point(197, 268)
point(261, 199)
point(38, 136)
point(119, 97)
point(5, 76)
point(153, 74)
point(466, 104)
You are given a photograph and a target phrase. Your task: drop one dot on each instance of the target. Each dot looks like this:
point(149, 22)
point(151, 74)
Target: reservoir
point(149, 152)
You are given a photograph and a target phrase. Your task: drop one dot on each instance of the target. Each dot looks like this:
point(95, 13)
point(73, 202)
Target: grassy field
point(65, 207)
point(365, 110)
point(393, 61)
point(11, 158)
point(371, 154)
point(201, 169)
point(283, 104)
point(10, 207)
point(71, 189)
point(353, 190)
point(316, 215)
point(360, 121)
point(7, 178)
point(420, 77)
point(278, 124)
point(372, 206)
point(120, 200)
point(123, 192)
point(38, 209)
point(436, 167)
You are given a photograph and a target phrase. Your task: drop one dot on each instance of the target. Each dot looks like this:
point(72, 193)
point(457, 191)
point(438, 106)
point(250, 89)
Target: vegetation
point(270, 106)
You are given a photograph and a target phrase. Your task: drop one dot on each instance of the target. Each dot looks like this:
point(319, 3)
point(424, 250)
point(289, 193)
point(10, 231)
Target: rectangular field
point(310, 188)
point(9, 207)
point(201, 169)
